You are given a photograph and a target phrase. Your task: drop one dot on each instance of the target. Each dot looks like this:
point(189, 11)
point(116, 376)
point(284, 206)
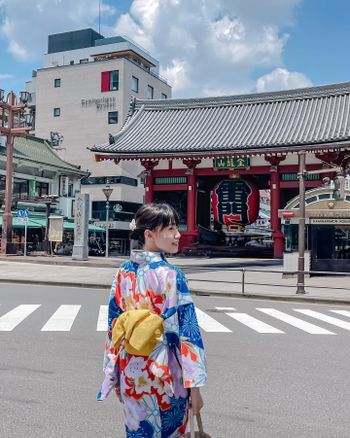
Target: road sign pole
point(25, 239)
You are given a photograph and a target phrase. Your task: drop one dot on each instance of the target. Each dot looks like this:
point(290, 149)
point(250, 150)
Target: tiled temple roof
point(37, 150)
point(275, 121)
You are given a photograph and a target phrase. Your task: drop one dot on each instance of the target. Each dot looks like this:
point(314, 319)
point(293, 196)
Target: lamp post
point(13, 122)
point(107, 192)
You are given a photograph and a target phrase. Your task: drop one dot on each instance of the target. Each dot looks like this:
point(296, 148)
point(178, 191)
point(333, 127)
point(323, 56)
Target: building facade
point(43, 184)
point(82, 95)
point(214, 154)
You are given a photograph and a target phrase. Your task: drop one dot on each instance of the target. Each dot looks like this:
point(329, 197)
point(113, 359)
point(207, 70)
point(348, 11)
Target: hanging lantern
point(235, 202)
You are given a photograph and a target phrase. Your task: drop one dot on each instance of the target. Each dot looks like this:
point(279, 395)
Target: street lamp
point(107, 192)
point(13, 123)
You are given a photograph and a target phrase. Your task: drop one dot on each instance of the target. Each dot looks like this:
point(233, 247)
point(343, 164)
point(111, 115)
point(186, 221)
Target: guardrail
point(244, 282)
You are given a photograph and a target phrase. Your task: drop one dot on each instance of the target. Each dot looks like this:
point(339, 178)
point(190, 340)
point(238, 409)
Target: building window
point(164, 96)
point(41, 189)
point(57, 83)
point(97, 180)
point(134, 84)
point(119, 210)
point(84, 61)
point(150, 92)
point(110, 80)
point(112, 117)
point(56, 112)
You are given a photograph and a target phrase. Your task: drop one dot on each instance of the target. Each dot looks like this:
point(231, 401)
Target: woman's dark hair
point(150, 217)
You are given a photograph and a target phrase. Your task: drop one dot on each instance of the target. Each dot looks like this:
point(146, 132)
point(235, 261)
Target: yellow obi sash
point(141, 329)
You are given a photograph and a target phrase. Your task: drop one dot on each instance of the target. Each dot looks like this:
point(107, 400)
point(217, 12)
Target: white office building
point(80, 96)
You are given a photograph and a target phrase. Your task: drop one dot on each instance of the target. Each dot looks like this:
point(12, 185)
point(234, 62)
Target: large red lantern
point(235, 202)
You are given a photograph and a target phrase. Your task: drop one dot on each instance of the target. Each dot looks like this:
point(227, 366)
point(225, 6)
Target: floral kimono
point(155, 389)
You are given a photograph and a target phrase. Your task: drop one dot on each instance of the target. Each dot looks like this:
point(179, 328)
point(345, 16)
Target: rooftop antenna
point(99, 16)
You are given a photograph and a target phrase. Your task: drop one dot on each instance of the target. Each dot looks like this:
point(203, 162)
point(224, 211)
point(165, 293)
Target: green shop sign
point(231, 163)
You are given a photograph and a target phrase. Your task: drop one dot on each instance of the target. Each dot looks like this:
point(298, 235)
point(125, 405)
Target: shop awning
point(41, 223)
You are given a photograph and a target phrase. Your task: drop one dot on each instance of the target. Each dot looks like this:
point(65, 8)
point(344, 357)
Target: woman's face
point(163, 240)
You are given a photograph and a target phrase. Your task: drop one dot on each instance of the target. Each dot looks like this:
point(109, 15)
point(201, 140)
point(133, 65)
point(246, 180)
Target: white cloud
point(177, 73)
point(210, 45)
point(204, 46)
point(26, 24)
point(4, 76)
point(282, 79)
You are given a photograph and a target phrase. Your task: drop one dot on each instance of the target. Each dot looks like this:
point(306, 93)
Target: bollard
point(243, 280)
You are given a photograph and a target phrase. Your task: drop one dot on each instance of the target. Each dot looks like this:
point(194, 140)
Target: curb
point(78, 264)
point(197, 292)
point(56, 283)
point(299, 299)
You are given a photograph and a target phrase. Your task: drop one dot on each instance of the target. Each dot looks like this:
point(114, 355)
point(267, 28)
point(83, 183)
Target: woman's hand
point(196, 401)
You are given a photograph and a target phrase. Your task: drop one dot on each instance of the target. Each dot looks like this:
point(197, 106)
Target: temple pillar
point(149, 165)
point(189, 237)
point(275, 202)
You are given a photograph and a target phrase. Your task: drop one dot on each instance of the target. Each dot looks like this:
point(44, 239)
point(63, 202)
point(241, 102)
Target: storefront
point(327, 230)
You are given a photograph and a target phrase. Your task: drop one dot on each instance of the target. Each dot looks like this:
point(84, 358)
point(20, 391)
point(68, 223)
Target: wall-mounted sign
point(227, 163)
point(101, 103)
point(235, 202)
point(330, 221)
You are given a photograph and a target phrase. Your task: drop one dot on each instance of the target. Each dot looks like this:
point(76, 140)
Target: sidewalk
point(216, 276)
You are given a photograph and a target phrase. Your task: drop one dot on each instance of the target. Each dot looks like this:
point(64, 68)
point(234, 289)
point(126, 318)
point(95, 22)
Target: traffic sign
point(23, 215)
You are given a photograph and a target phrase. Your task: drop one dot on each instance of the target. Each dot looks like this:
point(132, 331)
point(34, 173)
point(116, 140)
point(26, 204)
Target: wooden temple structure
point(187, 147)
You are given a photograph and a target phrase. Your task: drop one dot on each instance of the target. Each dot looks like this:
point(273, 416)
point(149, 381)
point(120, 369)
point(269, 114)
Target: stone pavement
point(216, 276)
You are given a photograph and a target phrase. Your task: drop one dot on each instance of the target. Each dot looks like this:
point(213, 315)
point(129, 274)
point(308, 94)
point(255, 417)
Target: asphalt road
point(267, 377)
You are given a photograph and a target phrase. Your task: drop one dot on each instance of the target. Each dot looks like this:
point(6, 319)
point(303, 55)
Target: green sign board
point(32, 188)
point(231, 163)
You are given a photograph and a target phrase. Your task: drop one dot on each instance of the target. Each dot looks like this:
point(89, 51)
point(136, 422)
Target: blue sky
point(205, 47)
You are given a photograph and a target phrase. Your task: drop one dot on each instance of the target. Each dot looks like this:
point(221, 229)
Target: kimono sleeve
point(110, 366)
point(191, 346)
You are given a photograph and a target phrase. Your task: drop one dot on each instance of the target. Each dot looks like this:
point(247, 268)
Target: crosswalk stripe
point(15, 316)
point(254, 323)
point(62, 320)
point(326, 318)
point(102, 322)
point(225, 309)
point(296, 322)
point(209, 324)
point(342, 312)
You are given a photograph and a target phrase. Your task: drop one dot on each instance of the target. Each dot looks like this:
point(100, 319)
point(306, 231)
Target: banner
point(56, 228)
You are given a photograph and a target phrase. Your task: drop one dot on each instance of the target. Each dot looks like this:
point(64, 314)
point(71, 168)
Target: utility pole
point(301, 226)
point(13, 123)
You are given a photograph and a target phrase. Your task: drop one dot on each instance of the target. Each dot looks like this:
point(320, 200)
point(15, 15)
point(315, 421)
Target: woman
point(155, 390)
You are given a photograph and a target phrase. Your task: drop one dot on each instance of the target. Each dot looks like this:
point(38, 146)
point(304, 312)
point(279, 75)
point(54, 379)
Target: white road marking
point(15, 316)
point(342, 312)
point(329, 319)
point(225, 309)
point(254, 323)
point(209, 324)
point(296, 322)
point(102, 322)
point(62, 320)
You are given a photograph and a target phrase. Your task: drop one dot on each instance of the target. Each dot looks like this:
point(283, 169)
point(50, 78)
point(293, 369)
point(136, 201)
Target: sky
point(205, 47)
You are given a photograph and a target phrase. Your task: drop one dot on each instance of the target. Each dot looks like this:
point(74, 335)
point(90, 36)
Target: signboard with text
point(227, 163)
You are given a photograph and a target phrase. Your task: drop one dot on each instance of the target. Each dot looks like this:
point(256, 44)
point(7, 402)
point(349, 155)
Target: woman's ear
point(148, 234)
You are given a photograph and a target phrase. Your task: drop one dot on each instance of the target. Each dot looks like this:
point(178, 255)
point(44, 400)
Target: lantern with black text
point(235, 202)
